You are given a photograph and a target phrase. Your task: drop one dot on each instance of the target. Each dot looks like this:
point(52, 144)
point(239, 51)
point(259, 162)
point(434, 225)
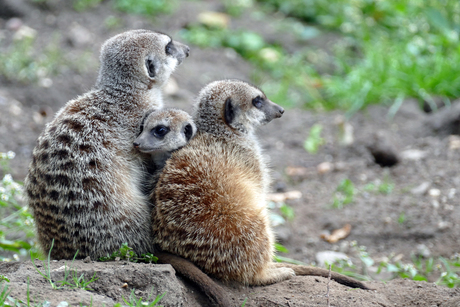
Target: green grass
point(133, 301)
point(388, 51)
point(75, 283)
point(395, 48)
point(16, 222)
point(82, 5)
point(314, 140)
point(145, 7)
point(22, 63)
point(441, 270)
point(126, 253)
point(344, 194)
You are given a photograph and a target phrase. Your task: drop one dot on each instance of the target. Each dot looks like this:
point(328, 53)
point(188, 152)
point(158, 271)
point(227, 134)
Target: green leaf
point(280, 248)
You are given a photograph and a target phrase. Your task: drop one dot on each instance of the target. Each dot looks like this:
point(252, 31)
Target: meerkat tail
point(188, 270)
point(303, 270)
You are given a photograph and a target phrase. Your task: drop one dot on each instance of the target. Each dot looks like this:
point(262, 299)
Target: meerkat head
point(165, 130)
point(238, 105)
point(139, 60)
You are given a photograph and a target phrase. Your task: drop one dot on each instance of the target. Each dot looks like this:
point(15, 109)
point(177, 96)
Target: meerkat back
point(210, 198)
point(83, 184)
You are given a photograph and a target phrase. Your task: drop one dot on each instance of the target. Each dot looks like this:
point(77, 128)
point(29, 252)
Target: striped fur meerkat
point(83, 184)
point(210, 200)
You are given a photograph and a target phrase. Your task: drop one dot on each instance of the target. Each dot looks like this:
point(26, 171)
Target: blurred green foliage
point(20, 61)
point(145, 7)
point(16, 222)
point(392, 48)
point(387, 50)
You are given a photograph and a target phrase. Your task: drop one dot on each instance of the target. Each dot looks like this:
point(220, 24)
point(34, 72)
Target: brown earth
point(418, 216)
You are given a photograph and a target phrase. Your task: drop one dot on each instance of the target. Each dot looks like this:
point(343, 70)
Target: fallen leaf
point(338, 234)
point(214, 19)
point(281, 197)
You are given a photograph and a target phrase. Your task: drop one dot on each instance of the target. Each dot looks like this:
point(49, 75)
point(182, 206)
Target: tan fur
point(83, 183)
point(211, 195)
point(210, 199)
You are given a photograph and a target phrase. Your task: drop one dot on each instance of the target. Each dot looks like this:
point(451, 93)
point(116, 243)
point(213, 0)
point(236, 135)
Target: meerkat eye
point(160, 131)
point(169, 48)
point(258, 102)
point(188, 131)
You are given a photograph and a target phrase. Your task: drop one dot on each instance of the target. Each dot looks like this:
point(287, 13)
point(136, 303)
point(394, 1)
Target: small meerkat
point(210, 200)
point(84, 181)
point(163, 132)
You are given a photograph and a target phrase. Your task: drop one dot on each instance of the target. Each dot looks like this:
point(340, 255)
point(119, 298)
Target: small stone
point(434, 192)
point(413, 154)
point(443, 225)
point(15, 110)
point(421, 189)
point(46, 82)
point(87, 259)
point(14, 24)
point(79, 36)
point(454, 142)
point(329, 257)
point(422, 250)
point(451, 194)
point(25, 32)
point(125, 285)
point(117, 258)
point(324, 168)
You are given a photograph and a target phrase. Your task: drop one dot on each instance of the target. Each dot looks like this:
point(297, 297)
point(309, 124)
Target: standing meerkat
point(210, 200)
point(83, 184)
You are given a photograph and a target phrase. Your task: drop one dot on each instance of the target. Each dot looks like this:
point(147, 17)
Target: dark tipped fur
point(211, 196)
point(83, 184)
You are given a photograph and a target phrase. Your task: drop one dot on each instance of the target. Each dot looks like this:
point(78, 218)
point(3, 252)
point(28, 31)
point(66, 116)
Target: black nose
point(187, 51)
point(281, 111)
point(136, 144)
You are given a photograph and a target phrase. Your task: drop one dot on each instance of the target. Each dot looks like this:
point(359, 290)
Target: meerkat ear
point(150, 66)
point(229, 111)
point(188, 131)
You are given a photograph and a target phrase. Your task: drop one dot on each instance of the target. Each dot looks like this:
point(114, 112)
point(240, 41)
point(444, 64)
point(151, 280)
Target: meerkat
point(210, 200)
point(83, 184)
point(163, 132)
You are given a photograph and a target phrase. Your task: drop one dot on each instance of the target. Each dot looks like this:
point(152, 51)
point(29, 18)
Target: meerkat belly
point(221, 223)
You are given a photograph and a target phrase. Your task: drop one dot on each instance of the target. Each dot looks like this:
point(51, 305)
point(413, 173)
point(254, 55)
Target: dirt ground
point(419, 214)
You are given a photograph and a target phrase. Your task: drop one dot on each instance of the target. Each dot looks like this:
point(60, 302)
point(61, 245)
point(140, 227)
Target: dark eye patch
point(159, 131)
point(170, 48)
point(258, 102)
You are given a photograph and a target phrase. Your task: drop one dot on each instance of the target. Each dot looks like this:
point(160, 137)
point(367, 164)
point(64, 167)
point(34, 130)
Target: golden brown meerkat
point(83, 184)
point(210, 200)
